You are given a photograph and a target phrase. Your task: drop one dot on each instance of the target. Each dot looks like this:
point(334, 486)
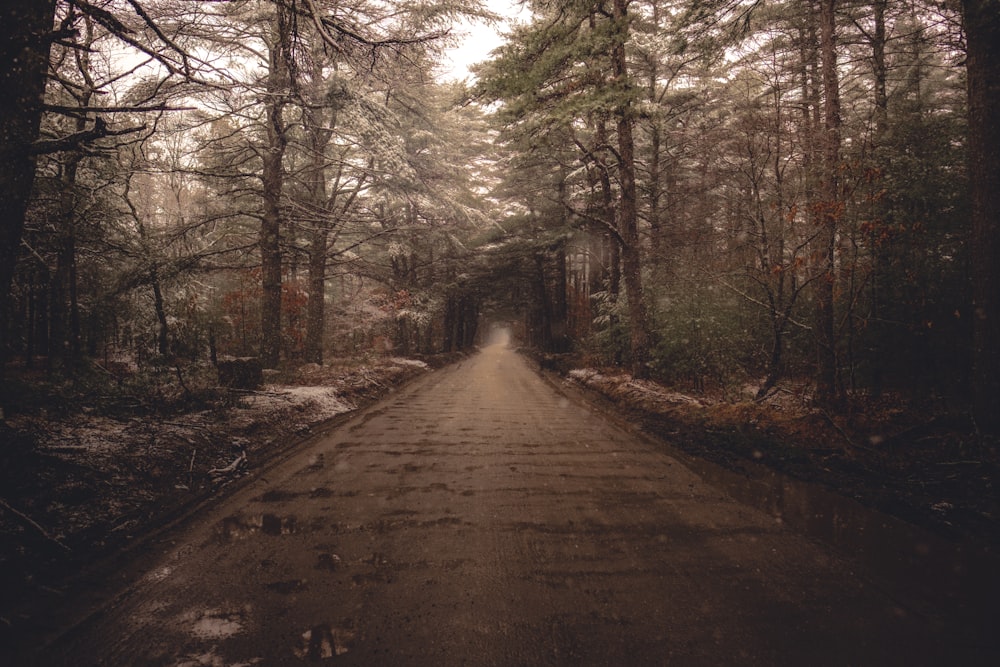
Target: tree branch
point(31, 523)
point(77, 139)
point(324, 26)
point(79, 111)
point(749, 298)
point(594, 219)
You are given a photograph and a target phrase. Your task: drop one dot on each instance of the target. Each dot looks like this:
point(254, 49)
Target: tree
point(320, 60)
point(770, 173)
point(828, 207)
point(982, 29)
point(28, 30)
point(26, 36)
point(276, 91)
point(165, 39)
point(628, 222)
point(571, 67)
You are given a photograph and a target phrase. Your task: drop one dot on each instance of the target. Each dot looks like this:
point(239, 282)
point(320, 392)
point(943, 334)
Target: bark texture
point(829, 205)
point(628, 224)
point(982, 29)
point(25, 26)
point(272, 177)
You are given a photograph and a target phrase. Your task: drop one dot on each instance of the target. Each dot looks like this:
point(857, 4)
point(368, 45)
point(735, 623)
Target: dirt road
point(480, 517)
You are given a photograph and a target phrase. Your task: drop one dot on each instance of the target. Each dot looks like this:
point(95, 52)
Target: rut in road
point(481, 517)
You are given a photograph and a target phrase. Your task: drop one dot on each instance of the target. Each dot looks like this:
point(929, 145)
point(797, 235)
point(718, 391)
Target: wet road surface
point(480, 517)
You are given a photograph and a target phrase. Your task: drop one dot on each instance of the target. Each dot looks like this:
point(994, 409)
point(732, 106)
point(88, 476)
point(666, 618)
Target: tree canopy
point(720, 195)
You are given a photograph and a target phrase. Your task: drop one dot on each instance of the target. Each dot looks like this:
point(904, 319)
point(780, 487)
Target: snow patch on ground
point(93, 434)
point(323, 401)
point(105, 437)
point(92, 475)
point(416, 363)
point(637, 392)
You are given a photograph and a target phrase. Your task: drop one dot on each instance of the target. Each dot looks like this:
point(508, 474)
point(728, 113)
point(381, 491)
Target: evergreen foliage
point(771, 209)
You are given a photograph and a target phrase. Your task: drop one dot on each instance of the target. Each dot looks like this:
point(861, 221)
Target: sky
point(479, 40)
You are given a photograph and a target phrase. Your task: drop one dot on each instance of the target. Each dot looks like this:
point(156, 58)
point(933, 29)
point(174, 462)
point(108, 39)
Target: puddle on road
point(323, 642)
point(211, 658)
point(213, 624)
point(289, 586)
point(328, 561)
point(280, 495)
point(898, 552)
point(276, 496)
point(315, 464)
point(242, 526)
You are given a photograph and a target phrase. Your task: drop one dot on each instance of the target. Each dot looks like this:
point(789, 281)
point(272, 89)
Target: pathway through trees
point(480, 517)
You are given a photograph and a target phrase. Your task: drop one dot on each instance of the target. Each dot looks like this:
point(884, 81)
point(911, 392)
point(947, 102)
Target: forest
point(744, 201)
point(709, 196)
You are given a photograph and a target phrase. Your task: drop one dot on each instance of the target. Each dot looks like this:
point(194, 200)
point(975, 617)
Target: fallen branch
point(237, 463)
point(882, 456)
point(842, 432)
point(31, 523)
point(194, 453)
point(187, 425)
point(254, 392)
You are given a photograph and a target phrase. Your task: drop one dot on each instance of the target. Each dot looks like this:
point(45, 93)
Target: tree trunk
point(982, 30)
point(163, 335)
point(316, 305)
point(882, 209)
point(448, 333)
point(272, 181)
point(774, 364)
point(58, 313)
point(270, 258)
point(829, 213)
point(318, 243)
point(458, 336)
point(427, 343)
point(542, 324)
point(319, 133)
point(39, 325)
point(560, 303)
point(470, 318)
point(65, 305)
point(627, 207)
point(655, 193)
point(24, 59)
point(655, 149)
point(30, 321)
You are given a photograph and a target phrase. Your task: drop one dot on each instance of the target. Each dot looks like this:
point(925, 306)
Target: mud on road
point(478, 516)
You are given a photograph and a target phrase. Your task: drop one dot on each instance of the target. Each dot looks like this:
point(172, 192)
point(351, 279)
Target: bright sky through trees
point(478, 39)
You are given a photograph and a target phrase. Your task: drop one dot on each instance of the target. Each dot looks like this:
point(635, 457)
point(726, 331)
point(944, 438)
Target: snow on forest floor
point(921, 462)
point(75, 481)
point(638, 393)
